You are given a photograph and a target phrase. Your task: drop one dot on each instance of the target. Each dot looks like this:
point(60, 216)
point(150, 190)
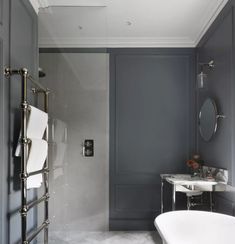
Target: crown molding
point(72, 3)
point(213, 11)
point(43, 3)
point(115, 42)
point(35, 5)
point(211, 16)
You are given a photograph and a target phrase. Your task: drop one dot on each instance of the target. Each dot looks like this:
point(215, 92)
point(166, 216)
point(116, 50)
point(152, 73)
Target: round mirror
point(208, 119)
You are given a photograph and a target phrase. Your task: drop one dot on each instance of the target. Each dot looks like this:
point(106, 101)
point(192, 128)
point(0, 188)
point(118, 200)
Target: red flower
point(193, 164)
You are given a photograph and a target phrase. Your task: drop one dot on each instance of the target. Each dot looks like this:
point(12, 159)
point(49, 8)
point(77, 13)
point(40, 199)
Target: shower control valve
point(88, 148)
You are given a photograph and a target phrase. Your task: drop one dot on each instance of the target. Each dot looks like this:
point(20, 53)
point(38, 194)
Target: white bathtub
point(195, 227)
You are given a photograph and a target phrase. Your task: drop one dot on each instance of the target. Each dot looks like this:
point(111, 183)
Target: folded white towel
point(36, 159)
point(34, 181)
point(36, 125)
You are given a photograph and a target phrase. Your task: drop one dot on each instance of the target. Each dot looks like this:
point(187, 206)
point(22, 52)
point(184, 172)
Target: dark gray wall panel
point(23, 53)
point(223, 204)
point(151, 128)
point(1, 12)
point(218, 151)
point(4, 119)
point(131, 197)
point(218, 44)
point(150, 104)
point(3, 171)
point(24, 43)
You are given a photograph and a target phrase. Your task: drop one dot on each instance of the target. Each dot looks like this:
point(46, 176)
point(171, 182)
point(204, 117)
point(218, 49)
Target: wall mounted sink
point(186, 178)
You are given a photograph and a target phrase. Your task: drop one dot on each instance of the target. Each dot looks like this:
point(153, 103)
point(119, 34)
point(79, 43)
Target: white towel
point(34, 181)
point(36, 159)
point(36, 125)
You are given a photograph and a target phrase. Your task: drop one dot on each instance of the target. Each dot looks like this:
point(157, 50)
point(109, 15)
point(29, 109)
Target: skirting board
point(130, 225)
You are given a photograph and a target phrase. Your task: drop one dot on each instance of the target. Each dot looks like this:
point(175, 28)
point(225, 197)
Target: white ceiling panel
point(125, 23)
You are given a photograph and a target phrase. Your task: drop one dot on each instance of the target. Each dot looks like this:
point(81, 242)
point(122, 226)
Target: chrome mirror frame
point(217, 116)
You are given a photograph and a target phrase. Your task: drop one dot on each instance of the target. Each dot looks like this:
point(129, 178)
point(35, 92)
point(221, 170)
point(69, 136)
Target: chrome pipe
point(37, 201)
point(46, 175)
point(8, 72)
point(37, 83)
point(37, 231)
point(162, 197)
point(41, 171)
point(24, 142)
point(173, 197)
point(24, 155)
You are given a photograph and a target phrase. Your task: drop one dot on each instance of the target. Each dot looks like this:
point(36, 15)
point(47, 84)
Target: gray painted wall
point(18, 45)
point(4, 90)
point(218, 44)
point(79, 98)
point(151, 129)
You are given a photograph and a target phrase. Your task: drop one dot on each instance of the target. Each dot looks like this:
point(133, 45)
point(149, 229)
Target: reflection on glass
point(78, 110)
point(208, 119)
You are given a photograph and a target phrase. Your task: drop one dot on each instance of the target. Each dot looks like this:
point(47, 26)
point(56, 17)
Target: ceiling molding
point(35, 5)
point(43, 3)
point(214, 12)
point(72, 3)
point(115, 42)
point(51, 37)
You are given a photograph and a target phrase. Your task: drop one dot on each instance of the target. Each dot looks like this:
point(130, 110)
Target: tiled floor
point(112, 237)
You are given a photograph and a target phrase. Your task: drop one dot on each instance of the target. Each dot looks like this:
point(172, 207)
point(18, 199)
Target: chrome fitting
point(24, 176)
point(25, 141)
point(24, 71)
point(7, 72)
point(34, 90)
point(47, 91)
point(46, 171)
point(24, 211)
point(24, 105)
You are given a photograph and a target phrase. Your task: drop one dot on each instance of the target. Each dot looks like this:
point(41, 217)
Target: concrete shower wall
point(79, 99)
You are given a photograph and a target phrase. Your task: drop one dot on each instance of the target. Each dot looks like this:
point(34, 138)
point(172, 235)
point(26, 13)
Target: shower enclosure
point(78, 78)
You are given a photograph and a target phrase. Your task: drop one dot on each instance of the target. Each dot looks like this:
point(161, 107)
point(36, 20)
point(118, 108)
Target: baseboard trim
point(129, 225)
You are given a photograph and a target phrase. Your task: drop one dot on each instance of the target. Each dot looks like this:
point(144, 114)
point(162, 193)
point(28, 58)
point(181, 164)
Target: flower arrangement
point(195, 164)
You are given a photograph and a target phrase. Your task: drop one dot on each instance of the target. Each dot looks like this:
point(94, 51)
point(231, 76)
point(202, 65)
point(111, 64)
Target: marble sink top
point(186, 179)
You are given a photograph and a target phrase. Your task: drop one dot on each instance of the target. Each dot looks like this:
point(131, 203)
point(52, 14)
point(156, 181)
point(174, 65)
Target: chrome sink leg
point(188, 203)
point(173, 197)
point(162, 189)
point(211, 201)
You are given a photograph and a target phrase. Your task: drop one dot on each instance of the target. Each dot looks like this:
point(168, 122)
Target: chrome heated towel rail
point(25, 205)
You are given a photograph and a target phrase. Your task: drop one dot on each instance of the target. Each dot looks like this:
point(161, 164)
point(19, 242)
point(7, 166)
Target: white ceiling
point(125, 23)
